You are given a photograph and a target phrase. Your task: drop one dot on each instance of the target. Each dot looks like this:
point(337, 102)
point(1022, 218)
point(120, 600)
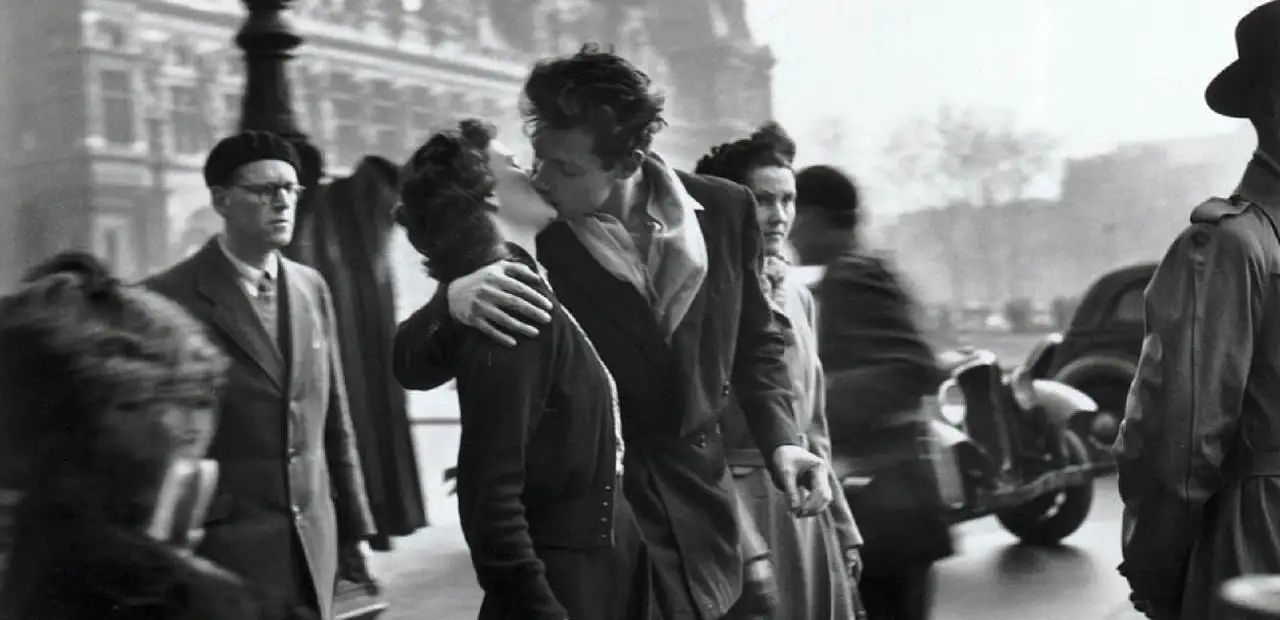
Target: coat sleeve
point(820, 442)
point(877, 361)
point(760, 379)
point(421, 353)
point(355, 519)
point(1203, 308)
point(501, 394)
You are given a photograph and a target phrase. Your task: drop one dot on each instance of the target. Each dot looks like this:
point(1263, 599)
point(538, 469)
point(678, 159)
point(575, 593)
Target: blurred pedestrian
point(1198, 451)
point(816, 560)
point(878, 371)
point(290, 512)
point(108, 404)
point(662, 269)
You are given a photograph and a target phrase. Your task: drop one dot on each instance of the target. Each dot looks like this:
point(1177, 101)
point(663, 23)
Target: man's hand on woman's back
point(499, 300)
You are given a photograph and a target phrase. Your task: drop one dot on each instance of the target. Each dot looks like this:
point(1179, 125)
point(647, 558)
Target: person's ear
point(218, 197)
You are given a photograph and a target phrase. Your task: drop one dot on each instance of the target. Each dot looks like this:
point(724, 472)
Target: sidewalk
point(428, 576)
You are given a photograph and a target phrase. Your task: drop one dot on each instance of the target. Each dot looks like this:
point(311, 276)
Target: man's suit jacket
point(284, 445)
point(671, 396)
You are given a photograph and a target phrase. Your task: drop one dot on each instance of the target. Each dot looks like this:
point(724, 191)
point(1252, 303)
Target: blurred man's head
point(827, 214)
point(253, 179)
point(592, 117)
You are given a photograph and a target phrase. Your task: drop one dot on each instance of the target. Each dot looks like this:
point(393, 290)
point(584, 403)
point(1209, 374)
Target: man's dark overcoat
point(1199, 449)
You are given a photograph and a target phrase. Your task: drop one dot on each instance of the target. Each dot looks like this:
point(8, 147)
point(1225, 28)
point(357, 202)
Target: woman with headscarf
point(107, 396)
point(816, 559)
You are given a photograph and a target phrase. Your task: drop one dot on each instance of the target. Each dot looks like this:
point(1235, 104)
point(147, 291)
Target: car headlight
point(951, 402)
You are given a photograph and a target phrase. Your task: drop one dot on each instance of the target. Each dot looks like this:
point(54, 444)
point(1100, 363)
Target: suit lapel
point(297, 314)
point(567, 260)
point(233, 315)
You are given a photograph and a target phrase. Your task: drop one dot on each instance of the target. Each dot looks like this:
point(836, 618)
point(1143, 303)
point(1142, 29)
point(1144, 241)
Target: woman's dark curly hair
point(600, 92)
point(101, 385)
point(443, 206)
point(769, 146)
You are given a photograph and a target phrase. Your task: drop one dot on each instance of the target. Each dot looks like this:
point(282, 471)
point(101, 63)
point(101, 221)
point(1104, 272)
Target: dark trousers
point(905, 593)
point(595, 584)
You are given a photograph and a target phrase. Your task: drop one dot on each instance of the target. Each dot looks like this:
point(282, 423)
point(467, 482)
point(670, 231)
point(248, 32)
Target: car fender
point(1061, 402)
point(1091, 366)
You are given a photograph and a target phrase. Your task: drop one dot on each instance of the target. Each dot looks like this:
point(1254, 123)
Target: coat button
point(724, 389)
point(297, 512)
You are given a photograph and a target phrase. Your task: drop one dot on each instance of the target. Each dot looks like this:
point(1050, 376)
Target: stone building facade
point(111, 105)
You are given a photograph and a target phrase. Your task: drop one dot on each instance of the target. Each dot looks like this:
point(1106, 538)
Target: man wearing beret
point(1199, 449)
point(290, 512)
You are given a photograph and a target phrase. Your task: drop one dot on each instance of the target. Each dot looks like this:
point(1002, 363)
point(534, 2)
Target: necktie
point(265, 303)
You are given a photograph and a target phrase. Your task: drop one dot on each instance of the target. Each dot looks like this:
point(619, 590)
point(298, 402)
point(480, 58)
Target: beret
point(243, 148)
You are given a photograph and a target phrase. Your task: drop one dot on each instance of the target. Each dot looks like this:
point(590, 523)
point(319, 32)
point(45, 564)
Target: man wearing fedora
point(1199, 448)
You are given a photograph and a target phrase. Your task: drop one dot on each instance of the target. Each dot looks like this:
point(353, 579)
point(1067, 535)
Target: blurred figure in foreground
point(816, 559)
point(107, 404)
point(290, 513)
point(1199, 449)
point(878, 370)
point(540, 460)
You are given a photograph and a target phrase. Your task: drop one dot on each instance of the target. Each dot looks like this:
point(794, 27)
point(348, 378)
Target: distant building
point(1115, 209)
point(111, 105)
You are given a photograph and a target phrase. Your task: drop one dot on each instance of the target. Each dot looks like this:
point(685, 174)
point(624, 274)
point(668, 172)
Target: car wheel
point(1049, 518)
point(1110, 394)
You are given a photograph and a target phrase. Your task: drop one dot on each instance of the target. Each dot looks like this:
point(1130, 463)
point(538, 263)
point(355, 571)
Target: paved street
point(992, 577)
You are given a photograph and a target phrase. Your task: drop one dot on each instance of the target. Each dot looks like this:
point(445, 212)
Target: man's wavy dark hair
point(597, 91)
point(443, 206)
point(769, 146)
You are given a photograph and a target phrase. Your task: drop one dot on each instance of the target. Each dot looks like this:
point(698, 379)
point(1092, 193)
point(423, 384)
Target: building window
point(231, 113)
point(348, 140)
point(113, 243)
point(117, 108)
point(423, 117)
point(385, 116)
point(188, 121)
point(111, 35)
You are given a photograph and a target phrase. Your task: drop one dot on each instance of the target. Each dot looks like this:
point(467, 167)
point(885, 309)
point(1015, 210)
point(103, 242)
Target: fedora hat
point(1233, 92)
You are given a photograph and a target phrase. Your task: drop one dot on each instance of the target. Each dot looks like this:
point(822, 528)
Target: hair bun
point(775, 136)
point(94, 277)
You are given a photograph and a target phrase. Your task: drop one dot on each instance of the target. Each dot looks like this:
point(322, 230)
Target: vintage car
point(1001, 443)
point(1098, 354)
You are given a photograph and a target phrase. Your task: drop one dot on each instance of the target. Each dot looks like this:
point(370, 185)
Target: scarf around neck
point(670, 277)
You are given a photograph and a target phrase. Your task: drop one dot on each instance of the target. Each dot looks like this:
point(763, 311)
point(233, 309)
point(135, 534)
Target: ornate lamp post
point(268, 41)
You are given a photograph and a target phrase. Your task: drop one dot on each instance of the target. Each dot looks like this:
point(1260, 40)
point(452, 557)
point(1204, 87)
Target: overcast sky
point(1091, 72)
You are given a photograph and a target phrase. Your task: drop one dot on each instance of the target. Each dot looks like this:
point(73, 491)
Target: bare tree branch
point(962, 155)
